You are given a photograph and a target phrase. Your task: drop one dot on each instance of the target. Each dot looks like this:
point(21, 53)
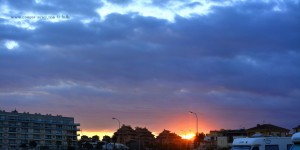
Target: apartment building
point(53, 132)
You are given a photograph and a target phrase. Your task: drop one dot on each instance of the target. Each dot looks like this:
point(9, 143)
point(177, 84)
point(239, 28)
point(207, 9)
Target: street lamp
point(118, 121)
point(119, 127)
point(196, 122)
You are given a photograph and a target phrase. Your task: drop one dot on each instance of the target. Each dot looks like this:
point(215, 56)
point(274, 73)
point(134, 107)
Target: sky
point(235, 63)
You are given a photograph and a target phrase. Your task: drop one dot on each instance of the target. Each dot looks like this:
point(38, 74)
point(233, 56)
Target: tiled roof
point(268, 127)
point(298, 127)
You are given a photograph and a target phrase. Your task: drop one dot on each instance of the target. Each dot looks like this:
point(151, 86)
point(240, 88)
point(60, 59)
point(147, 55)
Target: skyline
point(235, 63)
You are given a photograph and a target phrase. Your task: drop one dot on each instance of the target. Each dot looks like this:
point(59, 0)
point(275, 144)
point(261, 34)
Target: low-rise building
point(125, 134)
point(140, 138)
point(144, 138)
point(268, 130)
point(296, 129)
point(168, 140)
point(224, 138)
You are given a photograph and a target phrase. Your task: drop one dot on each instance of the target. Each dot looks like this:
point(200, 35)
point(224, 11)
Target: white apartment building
point(47, 131)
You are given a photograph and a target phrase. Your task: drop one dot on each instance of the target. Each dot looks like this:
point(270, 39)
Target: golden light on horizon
point(99, 133)
point(188, 136)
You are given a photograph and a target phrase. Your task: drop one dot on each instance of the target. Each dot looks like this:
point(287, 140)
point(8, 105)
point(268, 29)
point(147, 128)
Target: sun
point(188, 136)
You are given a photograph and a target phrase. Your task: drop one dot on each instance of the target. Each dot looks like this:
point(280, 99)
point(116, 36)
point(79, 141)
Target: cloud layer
point(235, 63)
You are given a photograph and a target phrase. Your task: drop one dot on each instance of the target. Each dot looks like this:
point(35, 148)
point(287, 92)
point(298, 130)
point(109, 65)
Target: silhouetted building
point(144, 138)
point(18, 129)
point(169, 141)
point(296, 129)
point(125, 134)
point(224, 138)
point(268, 130)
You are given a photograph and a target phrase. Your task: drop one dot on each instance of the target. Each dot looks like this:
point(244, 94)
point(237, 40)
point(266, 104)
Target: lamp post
point(117, 120)
point(196, 122)
point(119, 126)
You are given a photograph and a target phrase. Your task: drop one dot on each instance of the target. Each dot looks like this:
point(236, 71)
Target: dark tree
point(107, 139)
point(70, 147)
point(23, 145)
point(114, 139)
point(58, 144)
point(198, 139)
point(88, 146)
point(99, 145)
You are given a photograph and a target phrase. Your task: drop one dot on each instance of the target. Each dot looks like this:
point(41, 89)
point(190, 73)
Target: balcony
point(36, 131)
point(12, 143)
point(76, 124)
point(48, 132)
point(24, 131)
point(23, 137)
point(12, 137)
point(13, 125)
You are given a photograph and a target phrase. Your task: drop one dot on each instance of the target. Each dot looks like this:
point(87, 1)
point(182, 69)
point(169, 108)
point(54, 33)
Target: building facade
point(22, 129)
point(224, 138)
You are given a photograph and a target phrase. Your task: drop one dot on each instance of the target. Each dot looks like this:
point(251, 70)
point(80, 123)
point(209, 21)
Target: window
point(48, 131)
point(24, 124)
point(36, 130)
point(36, 137)
point(48, 136)
point(271, 147)
point(12, 129)
point(24, 130)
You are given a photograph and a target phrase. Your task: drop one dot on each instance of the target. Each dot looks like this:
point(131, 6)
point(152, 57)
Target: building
point(144, 138)
point(268, 130)
point(138, 138)
point(22, 129)
point(125, 134)
point(296, 129)
point(224, 138)
point(166, 137)
point(169, 141)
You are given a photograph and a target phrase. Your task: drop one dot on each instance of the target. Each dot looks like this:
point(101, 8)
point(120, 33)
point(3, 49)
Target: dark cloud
point(122, 2)
point(54, 7)
point(242, 58)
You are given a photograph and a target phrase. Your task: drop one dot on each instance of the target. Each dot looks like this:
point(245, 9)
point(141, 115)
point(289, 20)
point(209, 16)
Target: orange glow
point(188, 136)
point(183, 125)
point(99, 133)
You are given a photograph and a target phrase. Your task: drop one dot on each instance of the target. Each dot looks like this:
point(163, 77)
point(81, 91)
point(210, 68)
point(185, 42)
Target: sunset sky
point(236, 63)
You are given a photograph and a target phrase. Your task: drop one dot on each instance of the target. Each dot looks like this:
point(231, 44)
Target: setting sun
point(188, 136)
